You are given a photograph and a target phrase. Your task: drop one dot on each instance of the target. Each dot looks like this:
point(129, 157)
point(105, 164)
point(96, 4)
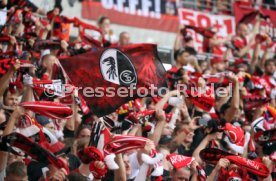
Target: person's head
point(113, 116)
point(185, 77)
point(182, 56)
point(218, 64)
point(14, 158)
point(124, 38)
point(80, 144)
point(83, 131)
point(242, 30)
point(184, 132)
point(16, 171)
point(127, 165)
point(189, 137)
point(57, 10)
point(203, 65)
point(45, 122)
point(181, 174)
point(104, 24)
point(165, 142)
point(48, 61)
point(270, 66)
point(167, 130)
point(48, 124)
point(224, 110)
point(11, 99)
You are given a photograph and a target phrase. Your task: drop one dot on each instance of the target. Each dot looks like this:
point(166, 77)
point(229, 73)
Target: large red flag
point(248, 15)
point(109, 69)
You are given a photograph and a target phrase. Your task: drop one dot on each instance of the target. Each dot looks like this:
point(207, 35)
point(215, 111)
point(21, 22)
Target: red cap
point(179, 161)
point(235, 133)
point(215, 60)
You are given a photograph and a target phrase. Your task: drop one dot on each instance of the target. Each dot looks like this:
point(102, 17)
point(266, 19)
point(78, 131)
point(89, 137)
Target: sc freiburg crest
point(117, 68)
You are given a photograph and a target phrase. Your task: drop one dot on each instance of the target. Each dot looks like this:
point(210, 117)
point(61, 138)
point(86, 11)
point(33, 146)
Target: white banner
point(224, 25)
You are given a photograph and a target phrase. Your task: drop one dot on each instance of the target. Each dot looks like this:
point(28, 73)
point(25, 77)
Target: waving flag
point(108, 69)
point(32, 149)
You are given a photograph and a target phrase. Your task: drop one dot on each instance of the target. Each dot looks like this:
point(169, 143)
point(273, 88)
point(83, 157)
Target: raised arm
point(161, 117)
point(222, 163)
point(71, 123)
point(255, 58)
point(8, 130)
point(234, 105)
point(120, 174)
point(256, 28)
point(155, 137)
point(4, 81)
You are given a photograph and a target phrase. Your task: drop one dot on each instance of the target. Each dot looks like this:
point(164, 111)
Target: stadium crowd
point(217, 136)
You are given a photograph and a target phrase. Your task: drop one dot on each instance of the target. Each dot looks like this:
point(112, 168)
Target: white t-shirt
point(135, 166)
point(112, 38)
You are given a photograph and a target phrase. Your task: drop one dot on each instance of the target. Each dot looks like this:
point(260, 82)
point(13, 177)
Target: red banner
point(150, 14)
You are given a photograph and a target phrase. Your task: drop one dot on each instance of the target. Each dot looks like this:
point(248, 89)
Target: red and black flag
point(24, 146)
point(134, 67)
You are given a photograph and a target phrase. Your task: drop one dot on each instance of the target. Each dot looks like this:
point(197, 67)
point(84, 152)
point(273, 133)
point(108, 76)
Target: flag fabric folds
point(103, 72)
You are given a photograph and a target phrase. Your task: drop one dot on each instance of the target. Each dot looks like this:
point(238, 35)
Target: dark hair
point(17, 168)
point(189, 50)
point(5, 94)
point(75, 176)
point(101, 19)
point(213, 123)
point(123, 32)
point(58, 6)
point(239, 24)
point(81, 127)
point(176, 54)
point(224, 107)
point(178, 127)
point(268, 61)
